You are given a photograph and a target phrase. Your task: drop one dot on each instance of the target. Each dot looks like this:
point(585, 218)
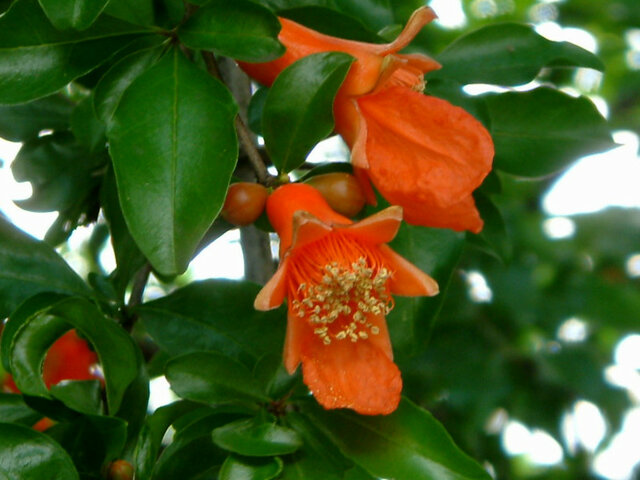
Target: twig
point(139, 283)
point(244, 135)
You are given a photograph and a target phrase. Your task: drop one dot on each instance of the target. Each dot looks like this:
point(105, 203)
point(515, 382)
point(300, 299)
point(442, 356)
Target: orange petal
point(272, 294)
point(460, 216)
point(298, 332)
point(407, 279)
point(381, 227)
point(423, 152)
point(355, 375)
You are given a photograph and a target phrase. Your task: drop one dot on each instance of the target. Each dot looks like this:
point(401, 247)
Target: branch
point(244, 135)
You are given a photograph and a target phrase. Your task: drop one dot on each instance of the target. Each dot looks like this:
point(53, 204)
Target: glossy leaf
point(542, 131)
point(212, 378)
point(14, 410)
point(173, 133)
point(81, 396)
point(256, 437)
point(242, 468)
point(436, 252)
point(23, 122)
point(36, 59)
point(214, 315)
point(40, 457)
point(409, 443)
point(20, 253)
point(112, 85)
point(331, 22)
point(298, 111)
point(241, 29)
point(78, 14)
point(138, 12)
point(507, 54)
point(29, 344)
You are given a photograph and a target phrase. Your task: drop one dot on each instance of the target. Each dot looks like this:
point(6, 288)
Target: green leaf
point(254, 110)
point(174, 147)
point(29, 266)
point(192, 451)
point(242, 468)
point(318, 458)
point(82, 396)
point(152, 432)
point(542, 131)
point(298, 111)
point(256, 437)
point(129, 258)
point(409, 443)
point(436, 252)
point(78, 14)
point(30, 342)
point(14, 410)
point(214, 315)
point(241, 29)
point(36, 59)
point(112, 85)
point(86, 127)
point(331, 22)
point(39, 457)
point(212, 378)
point(507, 54)
point(25, 121)
point(138, 12)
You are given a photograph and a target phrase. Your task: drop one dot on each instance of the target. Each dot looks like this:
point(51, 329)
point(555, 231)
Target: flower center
point(340, 305)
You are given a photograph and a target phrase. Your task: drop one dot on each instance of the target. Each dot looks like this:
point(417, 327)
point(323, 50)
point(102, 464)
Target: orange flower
point(420, 152)
point(338, 277)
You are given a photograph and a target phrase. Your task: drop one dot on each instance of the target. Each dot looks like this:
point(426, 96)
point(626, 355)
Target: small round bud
point(120, 470)
point(341, 191)
point(244, 203)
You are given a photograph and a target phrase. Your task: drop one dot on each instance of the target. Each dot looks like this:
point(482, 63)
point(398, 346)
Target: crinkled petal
point(418, 19)
point(424, 153)
point(356, 375)
point(298, 334)
point(407, 279)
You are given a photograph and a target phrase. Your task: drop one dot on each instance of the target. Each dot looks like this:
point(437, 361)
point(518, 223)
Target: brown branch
point(244, 135)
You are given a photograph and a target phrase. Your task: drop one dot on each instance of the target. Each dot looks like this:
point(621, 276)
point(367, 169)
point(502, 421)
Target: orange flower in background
point(420, 152)
point(338, 277)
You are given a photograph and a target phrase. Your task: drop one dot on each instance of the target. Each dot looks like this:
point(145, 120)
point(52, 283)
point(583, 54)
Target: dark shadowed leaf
point(86, 126)
point(40, 457)
point(23, 122)
point(409, 443)
point(174, 147)
point(507, 54)
point(14, 410)
point(298, 111)
point(540, 132)
point(36, 59)
point(240, 29)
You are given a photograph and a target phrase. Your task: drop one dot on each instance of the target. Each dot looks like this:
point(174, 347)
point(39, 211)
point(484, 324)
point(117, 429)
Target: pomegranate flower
point(420, 152)
point(338, 277)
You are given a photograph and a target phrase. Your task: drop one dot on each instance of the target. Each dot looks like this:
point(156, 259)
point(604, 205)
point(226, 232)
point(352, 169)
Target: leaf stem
point(244, 135)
